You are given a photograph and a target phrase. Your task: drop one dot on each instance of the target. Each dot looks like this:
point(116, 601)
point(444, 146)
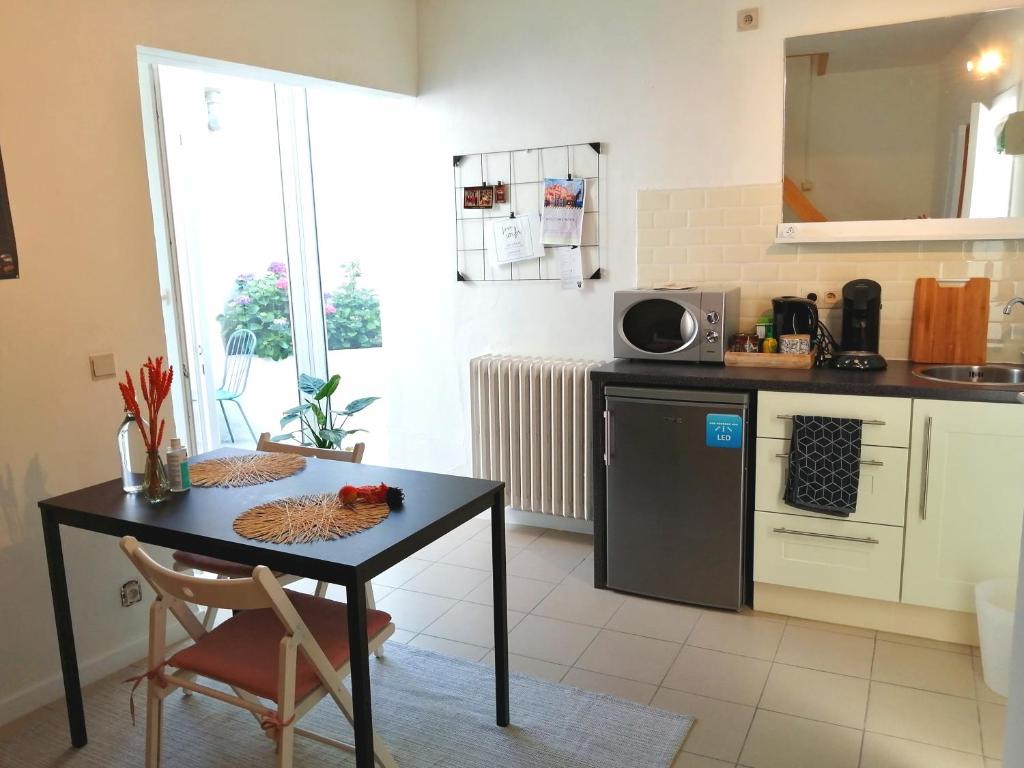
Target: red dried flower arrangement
point(156, 386)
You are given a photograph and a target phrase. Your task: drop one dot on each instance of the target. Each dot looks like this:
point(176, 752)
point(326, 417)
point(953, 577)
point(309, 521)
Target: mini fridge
point(676, 464)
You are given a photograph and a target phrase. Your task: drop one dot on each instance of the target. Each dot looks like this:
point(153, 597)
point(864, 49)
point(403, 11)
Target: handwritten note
point(570, 266)
point(517, 239)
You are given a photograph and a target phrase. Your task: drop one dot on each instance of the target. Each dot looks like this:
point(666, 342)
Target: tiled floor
point(768, 692)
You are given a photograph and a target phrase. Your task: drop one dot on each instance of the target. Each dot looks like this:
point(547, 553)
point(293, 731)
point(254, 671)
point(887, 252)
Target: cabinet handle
point(868, 422)
point(864, 462)
point(926, 460)
point(607, 438)
point(865, 540)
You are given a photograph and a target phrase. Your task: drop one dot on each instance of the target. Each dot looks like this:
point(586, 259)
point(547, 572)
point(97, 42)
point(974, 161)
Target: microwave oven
point(688, 324)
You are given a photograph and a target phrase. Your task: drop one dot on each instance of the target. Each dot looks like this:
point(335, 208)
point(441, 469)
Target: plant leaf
point(357, 405)
point(334, 436)
point(328, 388)
point(321, 419)
point(293, 413)
point(279, 438)
point(310, 385)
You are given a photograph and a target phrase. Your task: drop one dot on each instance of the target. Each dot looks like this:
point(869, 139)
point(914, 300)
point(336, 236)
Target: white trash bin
point(995, 601)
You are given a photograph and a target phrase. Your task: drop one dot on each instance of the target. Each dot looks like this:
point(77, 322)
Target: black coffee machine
point(862, 307)
point(795, 314)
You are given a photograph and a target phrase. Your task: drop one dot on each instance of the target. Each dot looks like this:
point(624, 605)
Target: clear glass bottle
point(156, 487)
point(133, 453)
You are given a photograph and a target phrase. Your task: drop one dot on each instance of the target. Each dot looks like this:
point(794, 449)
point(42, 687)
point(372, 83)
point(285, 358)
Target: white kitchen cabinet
point(886, 419)
point(965, 500)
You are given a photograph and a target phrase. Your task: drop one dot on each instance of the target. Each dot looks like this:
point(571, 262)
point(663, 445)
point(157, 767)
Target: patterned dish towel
point(824, 465)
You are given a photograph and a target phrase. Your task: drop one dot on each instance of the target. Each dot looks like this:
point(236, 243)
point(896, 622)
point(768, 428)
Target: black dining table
point(201, 519)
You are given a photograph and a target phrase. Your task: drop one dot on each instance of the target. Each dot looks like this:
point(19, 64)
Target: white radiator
point(531, 429)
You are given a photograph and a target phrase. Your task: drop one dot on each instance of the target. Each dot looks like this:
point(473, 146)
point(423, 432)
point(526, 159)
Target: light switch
point(103, 366)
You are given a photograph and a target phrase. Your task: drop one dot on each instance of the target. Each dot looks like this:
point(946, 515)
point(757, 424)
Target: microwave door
point(659, 326)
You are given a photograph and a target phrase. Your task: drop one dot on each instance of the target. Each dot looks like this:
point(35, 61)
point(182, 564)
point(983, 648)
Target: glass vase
point(155, 485)
point(132, 449)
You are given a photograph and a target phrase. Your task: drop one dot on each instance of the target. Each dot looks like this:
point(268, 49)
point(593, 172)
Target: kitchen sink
point(980, 375)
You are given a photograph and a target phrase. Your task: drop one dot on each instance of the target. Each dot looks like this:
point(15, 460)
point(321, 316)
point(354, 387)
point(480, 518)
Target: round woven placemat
point(252, 469)
point(302, 519)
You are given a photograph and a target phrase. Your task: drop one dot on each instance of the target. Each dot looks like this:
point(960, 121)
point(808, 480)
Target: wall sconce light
point(988, 63)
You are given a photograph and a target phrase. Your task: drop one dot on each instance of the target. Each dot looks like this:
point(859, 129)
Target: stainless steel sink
point(980, 375)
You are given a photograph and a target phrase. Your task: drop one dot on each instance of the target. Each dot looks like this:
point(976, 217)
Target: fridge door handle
point(607, 438)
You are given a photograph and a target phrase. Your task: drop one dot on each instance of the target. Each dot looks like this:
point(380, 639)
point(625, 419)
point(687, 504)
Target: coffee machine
point(795, 314)
point(862, 307)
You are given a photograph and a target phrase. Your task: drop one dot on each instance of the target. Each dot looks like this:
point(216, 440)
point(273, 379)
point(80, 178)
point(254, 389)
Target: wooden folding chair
point(189, 562)
point(285, 647)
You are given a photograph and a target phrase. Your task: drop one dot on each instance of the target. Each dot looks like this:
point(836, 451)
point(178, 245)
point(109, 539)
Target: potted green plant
point(318, 422)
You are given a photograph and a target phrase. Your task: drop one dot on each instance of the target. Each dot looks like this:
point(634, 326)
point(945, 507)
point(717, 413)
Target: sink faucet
point(1010, 304)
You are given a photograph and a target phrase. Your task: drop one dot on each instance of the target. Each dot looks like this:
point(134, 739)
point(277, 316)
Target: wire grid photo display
point(523, 172)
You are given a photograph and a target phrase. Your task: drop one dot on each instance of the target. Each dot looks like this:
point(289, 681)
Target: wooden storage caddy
point(768, 360)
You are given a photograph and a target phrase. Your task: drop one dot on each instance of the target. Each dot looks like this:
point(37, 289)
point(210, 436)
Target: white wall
point(71, 136)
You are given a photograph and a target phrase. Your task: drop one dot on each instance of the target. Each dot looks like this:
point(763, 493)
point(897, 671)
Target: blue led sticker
point(724, 430)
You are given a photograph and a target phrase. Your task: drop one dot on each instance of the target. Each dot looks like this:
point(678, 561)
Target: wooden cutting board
point(950, 323)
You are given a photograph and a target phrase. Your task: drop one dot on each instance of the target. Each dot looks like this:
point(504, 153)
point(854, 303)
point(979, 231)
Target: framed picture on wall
point(8, 251)
point(478, 197)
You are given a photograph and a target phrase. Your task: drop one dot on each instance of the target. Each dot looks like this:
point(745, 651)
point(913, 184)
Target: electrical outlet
point(829, 298)
point(748, 19)
point(131, 593)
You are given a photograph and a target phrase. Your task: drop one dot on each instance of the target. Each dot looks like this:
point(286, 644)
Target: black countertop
point(896, 381)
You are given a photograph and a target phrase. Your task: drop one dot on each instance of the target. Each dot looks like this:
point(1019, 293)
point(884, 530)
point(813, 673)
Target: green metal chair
point(239, 350)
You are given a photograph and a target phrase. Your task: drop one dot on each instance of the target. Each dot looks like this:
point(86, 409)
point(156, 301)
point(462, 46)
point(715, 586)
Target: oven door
point(656, 327)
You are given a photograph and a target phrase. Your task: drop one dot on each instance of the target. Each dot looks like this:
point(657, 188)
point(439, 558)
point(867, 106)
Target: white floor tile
point(687, 760)
point(734, 633)
point(470, 623)
point(583, 573)
point(414, 611)
point(476, 554)
point(613, 686)
point(933, 718)
point(630, 656)
point(543, 670)
point(739, 679)
point(550, 639)
point(784, 741)
point(927, 668)
point(446, 580)
point(924, 642)
point(397, 575)
point(655, 618)
point(889, 752)
point(824, 626)
point(522, 594)
point(515, 535)
point(449, 647)
point(720, 728)
point(844, 654)
point(535, 565)
point(816, 695)
point(983, 692)
point(400, 636)
point(990, 763)
point(439, 548)
point(993, 729)
point(580, 604)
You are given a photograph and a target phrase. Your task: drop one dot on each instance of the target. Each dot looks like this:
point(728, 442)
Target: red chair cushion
point(213, 565)
point(243, 651)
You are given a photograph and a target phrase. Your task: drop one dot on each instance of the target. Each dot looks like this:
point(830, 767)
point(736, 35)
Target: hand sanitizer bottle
point(177, 466)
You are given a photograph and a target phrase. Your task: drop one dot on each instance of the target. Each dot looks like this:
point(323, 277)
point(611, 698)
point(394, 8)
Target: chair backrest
point(355, 455)
point(238, 353)
point(238, 594)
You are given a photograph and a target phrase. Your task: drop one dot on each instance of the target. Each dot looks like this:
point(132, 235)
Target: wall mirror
point(906, 131)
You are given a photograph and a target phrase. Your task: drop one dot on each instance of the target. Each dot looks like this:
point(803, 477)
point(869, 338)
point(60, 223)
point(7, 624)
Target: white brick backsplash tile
point(669, 255)
point(687, 236)
point(670, 219)
point(651, 200)
point(741, 253)
point(760, 271)
point(780, 253)
point(707, 217)
point(687, 198)
point(835, 272)
point(721, 272)
point(911, 270)
point(651, 237)
point(762, 194)
point(742, 217)
point(703, 254)
point(723, 236)
point(725, 197)
point(651, 275)
point(687, 273)
point(760, 234)
point(797, 271)
point(645, 255)
point(644, 219)
point(771, 214)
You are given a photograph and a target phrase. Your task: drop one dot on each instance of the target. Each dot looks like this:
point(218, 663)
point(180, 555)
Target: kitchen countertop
point(896, 381)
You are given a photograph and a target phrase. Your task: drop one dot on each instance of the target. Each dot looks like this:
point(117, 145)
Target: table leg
point(359, 660)
point(500, 608)
point(65, 630)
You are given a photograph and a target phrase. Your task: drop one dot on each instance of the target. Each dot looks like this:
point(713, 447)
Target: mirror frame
point(890, 230)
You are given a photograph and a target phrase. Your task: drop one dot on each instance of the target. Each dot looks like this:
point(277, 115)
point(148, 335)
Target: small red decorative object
point(371, 494)
point(156, 386)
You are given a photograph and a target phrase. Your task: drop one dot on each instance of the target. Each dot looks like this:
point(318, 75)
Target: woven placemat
point(251, 469)
point(302, 519)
